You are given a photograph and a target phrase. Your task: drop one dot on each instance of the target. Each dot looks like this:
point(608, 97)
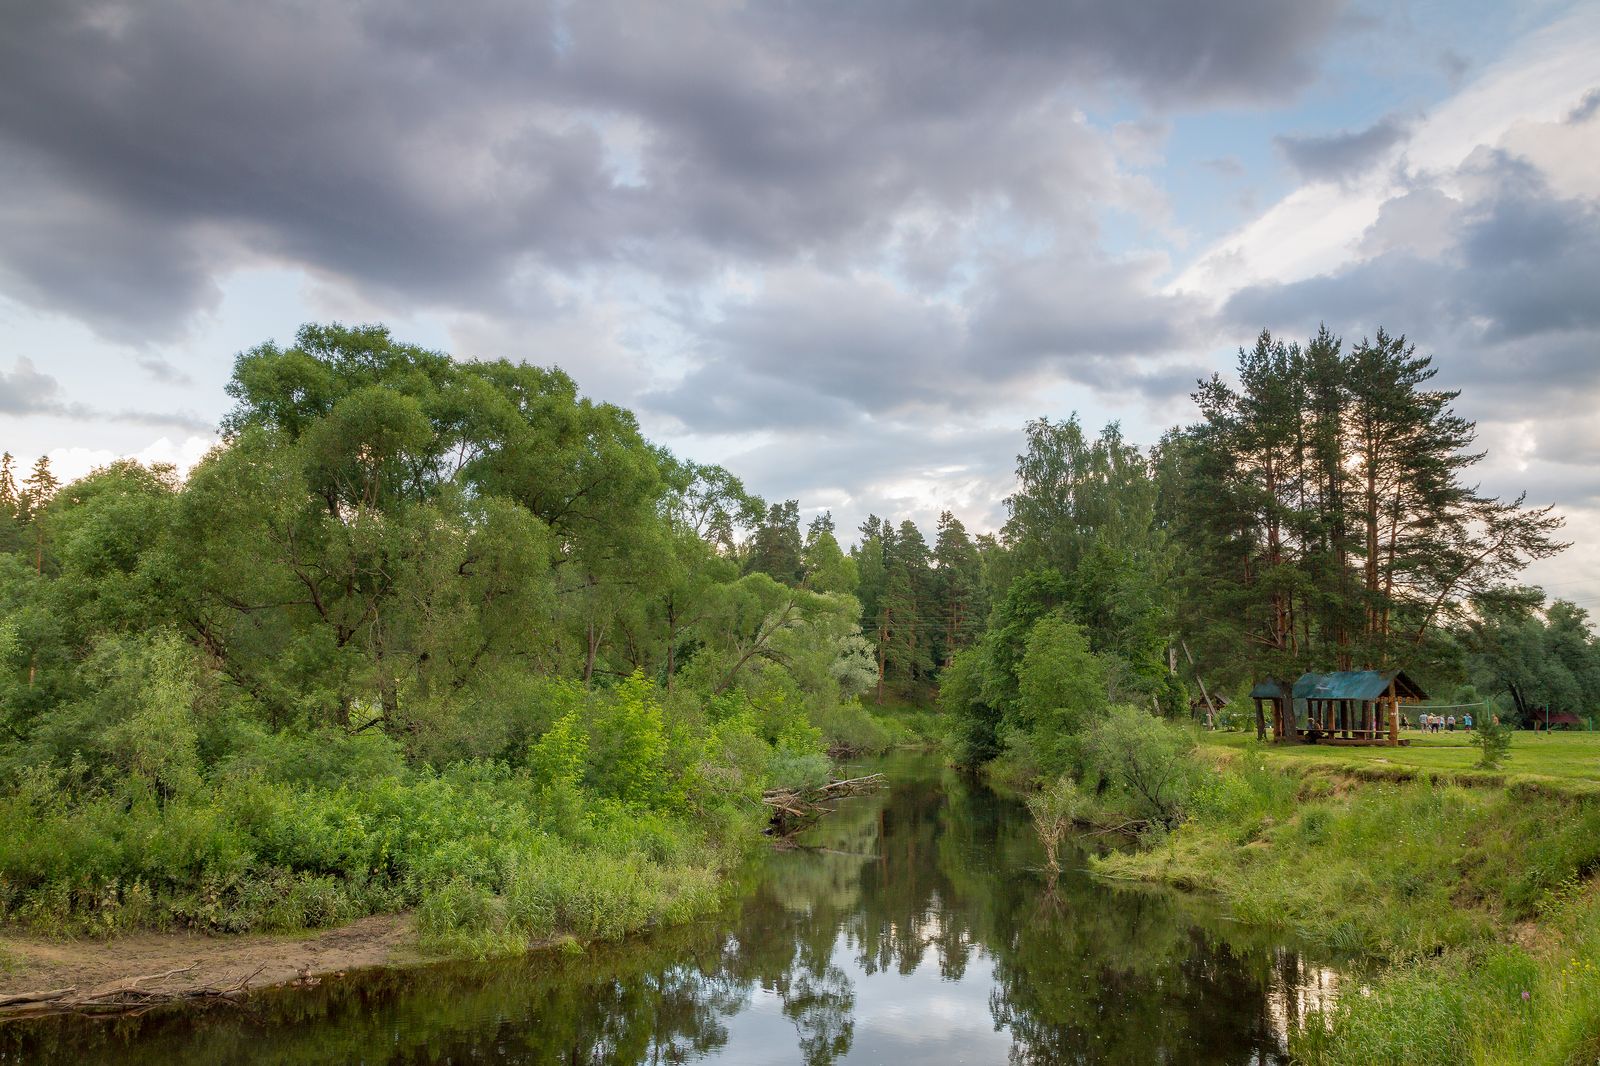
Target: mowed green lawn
point(1569, 755)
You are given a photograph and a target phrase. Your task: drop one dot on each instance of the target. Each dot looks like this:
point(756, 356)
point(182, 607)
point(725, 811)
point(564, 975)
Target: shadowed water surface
point(914, 926)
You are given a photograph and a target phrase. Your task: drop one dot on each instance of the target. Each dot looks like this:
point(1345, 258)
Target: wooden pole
point(1394, 716)
point(1203, 693)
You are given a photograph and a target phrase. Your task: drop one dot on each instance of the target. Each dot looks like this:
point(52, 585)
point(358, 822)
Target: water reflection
point(912, 927)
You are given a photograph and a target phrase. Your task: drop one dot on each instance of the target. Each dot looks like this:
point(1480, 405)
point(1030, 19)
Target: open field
point(1568, 756)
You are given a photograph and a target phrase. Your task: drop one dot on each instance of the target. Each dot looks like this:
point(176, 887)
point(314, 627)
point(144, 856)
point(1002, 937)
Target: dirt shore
point(30, 964)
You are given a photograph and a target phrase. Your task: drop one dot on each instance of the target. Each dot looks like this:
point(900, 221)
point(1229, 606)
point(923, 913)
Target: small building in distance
point(1538, 719)
point(1197, 706)
point(1343, 707)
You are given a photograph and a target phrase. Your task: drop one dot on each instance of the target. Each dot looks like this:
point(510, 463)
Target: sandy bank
point(29, 964)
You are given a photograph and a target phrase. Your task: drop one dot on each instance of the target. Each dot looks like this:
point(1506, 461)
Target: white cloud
point(72, 463)
point(1318, 227)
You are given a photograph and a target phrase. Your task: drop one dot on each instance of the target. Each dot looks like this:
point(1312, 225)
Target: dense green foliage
point(1324, 514)
point(420, 632)
point(823, 959)
point(1318, 516)
point(1533, 661)
point(445, 635)
point(1424, 875)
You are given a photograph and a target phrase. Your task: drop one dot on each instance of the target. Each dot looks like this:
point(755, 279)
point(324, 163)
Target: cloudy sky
point(844, 248)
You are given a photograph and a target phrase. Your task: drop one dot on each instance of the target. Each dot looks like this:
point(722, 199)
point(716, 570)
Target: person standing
point(1450, 723)
point(1466, 721)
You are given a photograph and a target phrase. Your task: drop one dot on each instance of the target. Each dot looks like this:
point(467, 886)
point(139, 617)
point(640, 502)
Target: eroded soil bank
point(30, 964)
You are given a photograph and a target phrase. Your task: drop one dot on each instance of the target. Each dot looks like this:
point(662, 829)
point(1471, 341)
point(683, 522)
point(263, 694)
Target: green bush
point(1493, 741)
point(1062, 691)
point(1145, 763)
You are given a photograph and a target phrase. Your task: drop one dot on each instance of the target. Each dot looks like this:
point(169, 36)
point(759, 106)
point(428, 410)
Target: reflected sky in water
point(914, 925)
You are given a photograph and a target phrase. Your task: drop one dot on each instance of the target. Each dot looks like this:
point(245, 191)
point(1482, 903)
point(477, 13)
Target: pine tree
point(37, 492)
point(960, 596)
point(1429, 540)
point(10, 505)
point(777, 548)
point(1322, 510)
point(871, 557)
point(827, 568)
point(8, 486)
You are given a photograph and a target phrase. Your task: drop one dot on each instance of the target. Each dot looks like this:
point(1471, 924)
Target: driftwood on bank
point(133, 996)
point(795, 808)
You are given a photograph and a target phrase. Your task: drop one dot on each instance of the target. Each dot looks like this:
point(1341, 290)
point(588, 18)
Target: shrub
point(1054, 809)
point(1144, 761)
point(1493, 741)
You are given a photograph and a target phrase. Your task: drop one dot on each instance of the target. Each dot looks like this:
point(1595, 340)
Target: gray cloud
point(1344, 155)
point(818, 350)
point(441, 153)
point(1228, 166)
point(1421, 222)
point(1502, 295)
point(972, 466)
point(1455, 66)
point(1516, 262)
point(27, 390)
point(162, 370)
point(1587, 107)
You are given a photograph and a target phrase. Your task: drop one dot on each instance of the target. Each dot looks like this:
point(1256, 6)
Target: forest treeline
point(441, 634)
point(1319, 515)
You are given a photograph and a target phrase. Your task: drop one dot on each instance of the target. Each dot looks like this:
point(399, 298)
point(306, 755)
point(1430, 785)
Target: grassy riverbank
point(609, 824)
point(1472, 895)
point(1570, 760)
point(489, 855)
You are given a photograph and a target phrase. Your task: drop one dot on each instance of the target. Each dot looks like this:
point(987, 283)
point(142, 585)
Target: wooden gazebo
point(1354, 706)
point(1281, 697)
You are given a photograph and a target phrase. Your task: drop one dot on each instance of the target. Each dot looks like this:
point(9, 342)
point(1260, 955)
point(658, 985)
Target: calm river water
point(913, 926)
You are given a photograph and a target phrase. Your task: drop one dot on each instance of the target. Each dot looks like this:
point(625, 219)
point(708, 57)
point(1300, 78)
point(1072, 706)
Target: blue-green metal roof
point(1356, 685)
point(1269, 689)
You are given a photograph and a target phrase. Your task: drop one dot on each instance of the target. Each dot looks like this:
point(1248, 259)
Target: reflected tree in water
point(934, 877)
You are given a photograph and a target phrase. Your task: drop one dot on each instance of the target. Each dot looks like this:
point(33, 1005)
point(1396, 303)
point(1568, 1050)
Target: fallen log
point(795, 808)
point(23, 998)
point(125, 997)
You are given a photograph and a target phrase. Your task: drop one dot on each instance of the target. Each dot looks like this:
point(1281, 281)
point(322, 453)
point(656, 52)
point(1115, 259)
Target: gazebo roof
point(1269, 689)
point(1357, 685)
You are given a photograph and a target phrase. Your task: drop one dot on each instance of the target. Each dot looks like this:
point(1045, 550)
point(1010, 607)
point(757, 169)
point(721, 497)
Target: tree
point(1322, 512)
point(10, 500)
point(1061, 689)
point(1072, 491)
point(1146, 762)
point(960, 589)
point(1493, 741)
point(827, 568)
point(1536, 656)
point(37, 492)
point(777, 548)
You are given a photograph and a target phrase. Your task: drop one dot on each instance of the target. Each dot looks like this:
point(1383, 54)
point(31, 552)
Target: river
point(912, 926)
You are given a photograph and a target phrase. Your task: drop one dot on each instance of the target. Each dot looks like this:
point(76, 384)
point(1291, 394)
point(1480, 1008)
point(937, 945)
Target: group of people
point(1442, 723)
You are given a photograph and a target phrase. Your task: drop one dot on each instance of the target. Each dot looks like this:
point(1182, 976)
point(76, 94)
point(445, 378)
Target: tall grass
point(491, 859)
point(1499, 1004)
point(1474, 898)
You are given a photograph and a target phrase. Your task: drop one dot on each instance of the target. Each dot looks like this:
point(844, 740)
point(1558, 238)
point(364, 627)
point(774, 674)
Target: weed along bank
point(1346, 707)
